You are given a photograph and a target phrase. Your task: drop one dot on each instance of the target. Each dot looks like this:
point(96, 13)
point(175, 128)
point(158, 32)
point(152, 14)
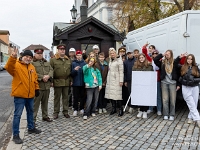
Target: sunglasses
point(61, 49)
point(154, 53)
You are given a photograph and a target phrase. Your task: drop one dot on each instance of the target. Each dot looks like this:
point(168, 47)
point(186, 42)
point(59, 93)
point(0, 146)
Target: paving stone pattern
point(112, 132)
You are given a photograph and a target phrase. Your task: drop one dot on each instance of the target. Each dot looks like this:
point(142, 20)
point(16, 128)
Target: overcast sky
point(31, 21)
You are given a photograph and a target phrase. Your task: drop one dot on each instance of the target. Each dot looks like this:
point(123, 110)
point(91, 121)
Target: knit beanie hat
point(27, 53)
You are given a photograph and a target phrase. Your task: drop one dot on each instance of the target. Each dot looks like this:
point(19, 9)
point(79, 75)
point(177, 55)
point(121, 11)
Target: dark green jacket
point(61, 71)
point(43, 68)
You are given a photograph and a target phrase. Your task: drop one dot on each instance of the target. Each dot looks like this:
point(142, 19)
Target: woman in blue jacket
point(93, 84)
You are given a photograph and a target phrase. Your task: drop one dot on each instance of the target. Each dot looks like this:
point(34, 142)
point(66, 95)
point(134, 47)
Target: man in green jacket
point(61, 65)
point(45, 77)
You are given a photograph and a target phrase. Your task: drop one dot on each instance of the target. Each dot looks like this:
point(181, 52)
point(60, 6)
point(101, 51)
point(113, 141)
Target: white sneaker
point(144, 116)
point(100, 111)
point(149, 111)
point(198, 123)
point(104, 110)
point(75, 113)
point(159, 113)
point(130, 110)
point(139, 115)
point(85, 117)
point(171, 118)
point(190, 121)
point(93, 115)
point(81, 111)
point(165, 117)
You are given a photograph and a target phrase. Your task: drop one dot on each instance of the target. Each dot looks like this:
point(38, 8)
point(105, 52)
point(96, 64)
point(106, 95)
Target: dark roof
point(32, 47)
point(1, 41)
point(109, 28)
point(4, 32)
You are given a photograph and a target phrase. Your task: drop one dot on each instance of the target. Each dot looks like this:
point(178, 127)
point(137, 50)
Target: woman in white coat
point(114, 83)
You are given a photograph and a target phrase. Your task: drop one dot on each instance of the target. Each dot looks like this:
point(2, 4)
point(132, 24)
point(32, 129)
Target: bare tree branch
point(178, 5)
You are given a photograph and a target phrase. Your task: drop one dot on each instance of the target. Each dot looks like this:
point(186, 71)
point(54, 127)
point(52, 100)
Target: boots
point(113, 111)
point(120, 109)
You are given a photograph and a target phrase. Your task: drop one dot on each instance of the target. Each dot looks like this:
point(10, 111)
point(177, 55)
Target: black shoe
point(121, 113)
point(17, 139)
point(113, 111)
point(34, 130)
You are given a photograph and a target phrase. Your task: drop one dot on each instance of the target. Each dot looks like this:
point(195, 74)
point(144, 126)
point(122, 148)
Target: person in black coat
point(128, 65)
point(78, 83)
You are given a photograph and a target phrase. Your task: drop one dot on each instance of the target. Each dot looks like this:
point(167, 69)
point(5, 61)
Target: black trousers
point(102, 100)
point(143, 108)
point(79, 96)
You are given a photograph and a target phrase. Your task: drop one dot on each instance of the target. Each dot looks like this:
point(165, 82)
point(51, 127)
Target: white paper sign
point(144, 88)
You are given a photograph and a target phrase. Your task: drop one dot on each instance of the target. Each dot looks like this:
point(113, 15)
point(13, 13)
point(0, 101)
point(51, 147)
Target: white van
point(180, 33)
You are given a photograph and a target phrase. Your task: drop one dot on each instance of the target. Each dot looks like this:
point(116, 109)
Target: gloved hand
point(37, 93)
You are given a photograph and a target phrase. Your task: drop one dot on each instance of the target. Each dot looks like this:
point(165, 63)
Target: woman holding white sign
point(169, 76)
point(142, 65)
point(114, 82)
point(190, 78)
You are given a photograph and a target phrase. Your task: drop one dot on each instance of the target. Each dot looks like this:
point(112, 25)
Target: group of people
point(94, 80)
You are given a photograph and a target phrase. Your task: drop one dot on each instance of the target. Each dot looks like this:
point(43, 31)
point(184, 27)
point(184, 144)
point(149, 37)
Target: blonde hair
point(112, 50)
point(87, 60)
point(169, 63)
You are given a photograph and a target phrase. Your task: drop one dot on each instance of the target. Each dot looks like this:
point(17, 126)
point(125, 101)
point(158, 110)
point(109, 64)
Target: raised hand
point(84, 51)
point(14, 53)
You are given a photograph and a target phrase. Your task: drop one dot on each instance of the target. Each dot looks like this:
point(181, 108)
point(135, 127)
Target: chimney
point(83, 11)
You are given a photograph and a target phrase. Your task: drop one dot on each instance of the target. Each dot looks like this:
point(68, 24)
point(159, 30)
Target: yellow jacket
point(24, 81)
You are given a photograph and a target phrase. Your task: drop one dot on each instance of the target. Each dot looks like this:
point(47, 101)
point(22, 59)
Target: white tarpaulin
point(144, 88)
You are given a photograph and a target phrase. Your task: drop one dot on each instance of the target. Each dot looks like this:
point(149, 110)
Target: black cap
point(27, 53)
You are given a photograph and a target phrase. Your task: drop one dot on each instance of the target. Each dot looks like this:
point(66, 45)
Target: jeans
point(169, 99)
point(159, 98)
point(102, 99)
point(91, 105)
point(19, 104)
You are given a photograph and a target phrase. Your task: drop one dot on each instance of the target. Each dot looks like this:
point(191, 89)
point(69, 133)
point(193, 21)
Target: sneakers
point(144, 116)
point(130, 110)
point(149, 111)
point(139, 115)
point(75, 113)
point(165, 117)
point(81, 111)
point(171, 118)
point(17, 139)
point(190, 121)
point(104, 110)
point(93, 115)
point(159, 113)
point(34, 130)
point(84, 117)
point(100, 111)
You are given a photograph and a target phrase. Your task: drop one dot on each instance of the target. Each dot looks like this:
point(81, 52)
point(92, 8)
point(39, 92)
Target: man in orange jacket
point(24, 88)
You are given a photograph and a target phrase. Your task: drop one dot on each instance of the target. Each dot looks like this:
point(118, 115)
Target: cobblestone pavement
point(112, 132)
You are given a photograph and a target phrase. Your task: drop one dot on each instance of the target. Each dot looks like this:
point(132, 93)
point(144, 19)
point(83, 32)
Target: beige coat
point(115, 76)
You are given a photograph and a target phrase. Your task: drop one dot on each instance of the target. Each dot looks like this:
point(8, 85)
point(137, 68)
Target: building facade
point(6, 46)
